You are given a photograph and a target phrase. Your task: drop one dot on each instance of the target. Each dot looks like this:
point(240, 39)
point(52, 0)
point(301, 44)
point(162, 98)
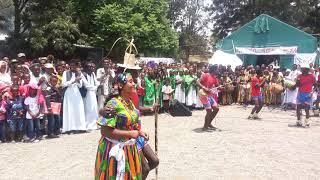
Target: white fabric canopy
point(225, 59)
point(305, 58)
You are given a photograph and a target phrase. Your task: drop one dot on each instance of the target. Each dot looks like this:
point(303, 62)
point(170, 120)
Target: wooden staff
point(156, 111)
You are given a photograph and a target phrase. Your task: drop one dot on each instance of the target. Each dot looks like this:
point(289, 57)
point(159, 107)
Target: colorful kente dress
point(266, 91)
point(226, 95)
point(105, 166)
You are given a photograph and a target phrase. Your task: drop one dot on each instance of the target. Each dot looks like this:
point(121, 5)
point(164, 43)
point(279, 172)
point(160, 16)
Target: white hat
point(305, 65)
point(21, 55)
point(42, 58)
point(48, 65)
point(276, 67)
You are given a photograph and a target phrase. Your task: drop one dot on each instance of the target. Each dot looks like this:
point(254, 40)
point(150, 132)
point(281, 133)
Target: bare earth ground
point(245, 149)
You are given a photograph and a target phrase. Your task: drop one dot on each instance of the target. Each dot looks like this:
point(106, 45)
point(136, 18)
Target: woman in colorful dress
point(226, 94)
point(266, 87)
point(117, 155)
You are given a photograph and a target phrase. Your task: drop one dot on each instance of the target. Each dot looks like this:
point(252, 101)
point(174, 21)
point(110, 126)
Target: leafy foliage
point(187, 18)
point(145, 21)
point(229, 15)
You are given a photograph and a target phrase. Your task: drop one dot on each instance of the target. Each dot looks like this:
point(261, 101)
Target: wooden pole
point(156, 111)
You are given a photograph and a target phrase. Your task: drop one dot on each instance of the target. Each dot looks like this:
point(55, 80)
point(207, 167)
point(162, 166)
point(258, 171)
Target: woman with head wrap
point(4, 75)
point(117, 155)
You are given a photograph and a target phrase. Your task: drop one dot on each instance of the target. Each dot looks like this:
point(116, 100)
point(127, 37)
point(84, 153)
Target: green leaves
point(141, 20)
point(229, 15)
point(54, 26)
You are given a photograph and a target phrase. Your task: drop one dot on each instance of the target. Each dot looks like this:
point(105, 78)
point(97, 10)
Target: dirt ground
point(244, 149)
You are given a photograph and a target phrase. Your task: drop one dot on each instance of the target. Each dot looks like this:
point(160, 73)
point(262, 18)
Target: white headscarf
point(5, 77)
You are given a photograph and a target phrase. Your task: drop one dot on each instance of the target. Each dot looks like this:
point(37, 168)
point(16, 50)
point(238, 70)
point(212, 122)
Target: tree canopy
point(228, 15)
point(172, 28)
point(42, 26)
point(145, 21)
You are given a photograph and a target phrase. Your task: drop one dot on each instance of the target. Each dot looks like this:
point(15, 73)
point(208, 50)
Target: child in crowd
point(15, 80)
point(23, 89)
point(3, 111)
point(167, 94)
point(141, 90)
point(33, 112)
point(53, 96)
point(15, 114)
point(60, 70)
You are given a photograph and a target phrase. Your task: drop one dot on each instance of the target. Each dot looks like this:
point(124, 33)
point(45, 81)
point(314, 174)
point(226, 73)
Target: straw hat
point(129, 63)
point(129, 57)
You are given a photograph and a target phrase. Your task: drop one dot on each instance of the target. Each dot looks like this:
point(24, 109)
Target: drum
point(247, 86)
point(202, 93)
point(289, 84)
point(229, 88)
point(277, 88)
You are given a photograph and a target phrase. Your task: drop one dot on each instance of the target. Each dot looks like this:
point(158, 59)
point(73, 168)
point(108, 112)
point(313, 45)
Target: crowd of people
point(47, 96)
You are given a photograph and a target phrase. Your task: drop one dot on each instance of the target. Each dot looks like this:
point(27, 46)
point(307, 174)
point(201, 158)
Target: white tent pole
point(234, 50)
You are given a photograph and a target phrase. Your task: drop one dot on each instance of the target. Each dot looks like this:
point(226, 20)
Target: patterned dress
point(126, 119)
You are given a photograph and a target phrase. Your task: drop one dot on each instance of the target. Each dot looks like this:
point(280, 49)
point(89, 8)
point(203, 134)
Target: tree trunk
point(17, 19)
point(187, 53)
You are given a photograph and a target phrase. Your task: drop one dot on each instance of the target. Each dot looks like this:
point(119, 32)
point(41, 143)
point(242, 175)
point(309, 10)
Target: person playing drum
point(256, 95)
point(305, 82)
point(227, 94)
point(207, 82)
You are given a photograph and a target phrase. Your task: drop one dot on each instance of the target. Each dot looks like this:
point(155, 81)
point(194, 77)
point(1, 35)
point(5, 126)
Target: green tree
point(5, 7)
point(145, 21)
point(229, 15)
point(53, 29)
point(187, 16)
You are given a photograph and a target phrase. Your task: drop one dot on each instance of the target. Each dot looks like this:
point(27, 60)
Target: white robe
point(179, 93)
point(191, 97)
point(5, 79)
point(90, 101)
point(199, 103)
point(73, 108)
point(291, 95)
point(105, 84)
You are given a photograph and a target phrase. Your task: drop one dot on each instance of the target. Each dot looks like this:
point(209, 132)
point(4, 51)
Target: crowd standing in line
point(45, 97)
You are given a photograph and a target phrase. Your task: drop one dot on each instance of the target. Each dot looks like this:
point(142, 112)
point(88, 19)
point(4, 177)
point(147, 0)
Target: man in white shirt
point(104, 76)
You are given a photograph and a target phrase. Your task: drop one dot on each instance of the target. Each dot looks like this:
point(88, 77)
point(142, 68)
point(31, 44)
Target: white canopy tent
point(225, 59)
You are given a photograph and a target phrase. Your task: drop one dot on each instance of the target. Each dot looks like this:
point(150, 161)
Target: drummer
point(291, 92)
point(266, 89)
point(277, 80)
point(207, 82)
point(305, 82)
point(227, 93)
point(256, 95)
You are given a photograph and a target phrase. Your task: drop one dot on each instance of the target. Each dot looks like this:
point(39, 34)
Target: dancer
point(305, 82)
point(256, 83)
point(208, 82)
point(119, 130)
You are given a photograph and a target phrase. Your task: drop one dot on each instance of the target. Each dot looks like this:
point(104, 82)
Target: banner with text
point(268, 51)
